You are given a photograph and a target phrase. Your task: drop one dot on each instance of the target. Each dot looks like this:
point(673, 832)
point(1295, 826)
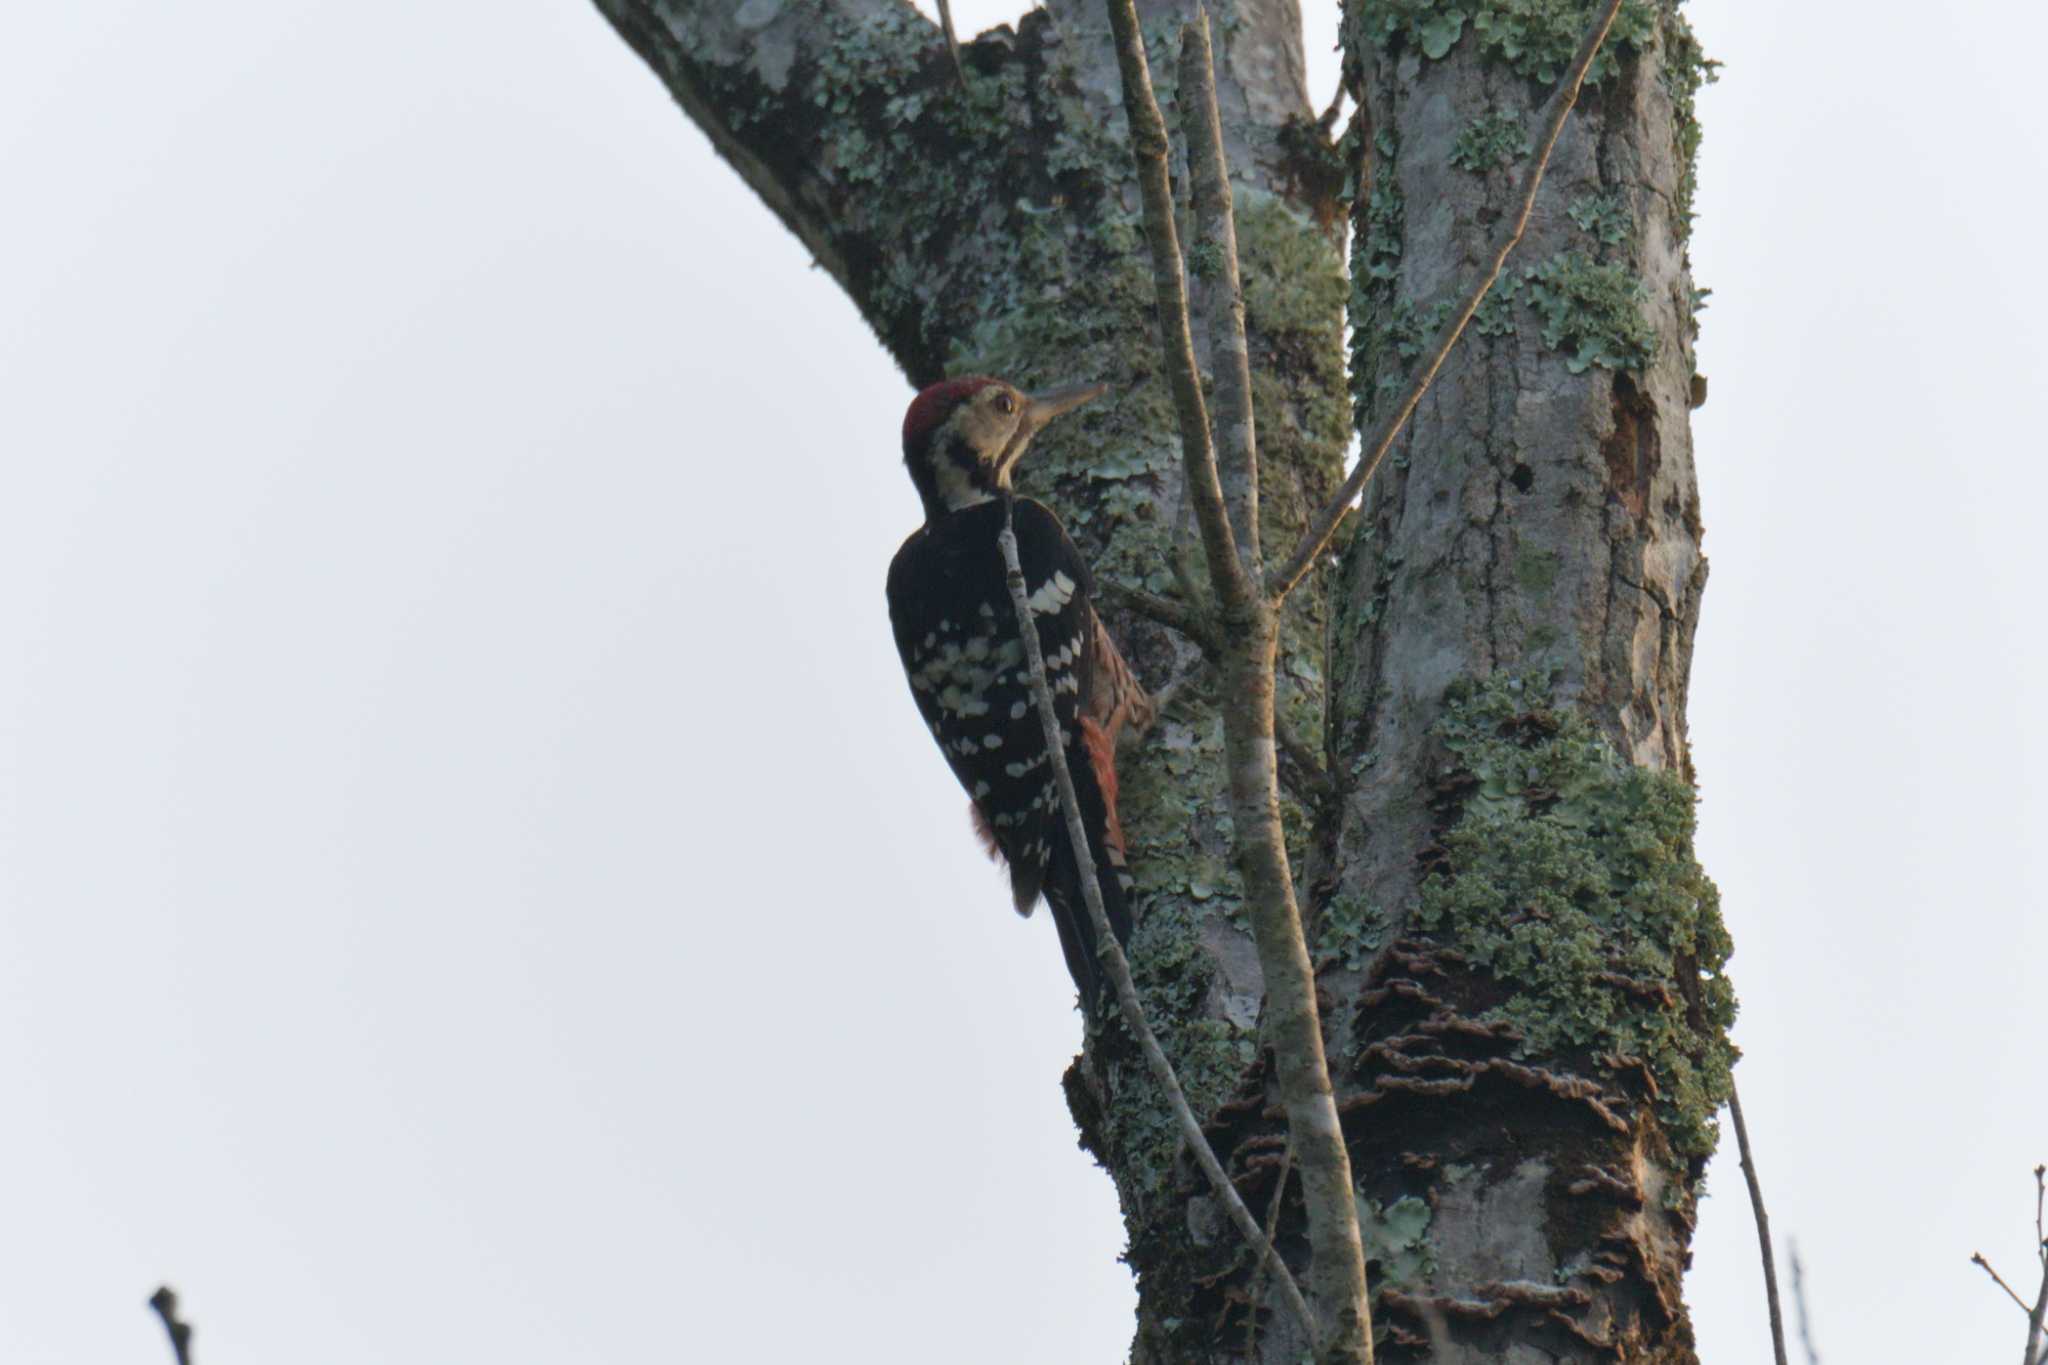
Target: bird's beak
point(1039, 409)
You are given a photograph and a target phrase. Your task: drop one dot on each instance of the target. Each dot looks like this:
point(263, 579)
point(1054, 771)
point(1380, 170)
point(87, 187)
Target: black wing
point(956, 633)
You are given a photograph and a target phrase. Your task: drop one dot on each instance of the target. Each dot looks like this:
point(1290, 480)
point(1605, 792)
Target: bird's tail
point(1092, 759)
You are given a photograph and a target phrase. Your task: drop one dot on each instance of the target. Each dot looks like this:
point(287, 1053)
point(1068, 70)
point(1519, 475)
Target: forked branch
point(2037, 1315)
point(1301, 767)
point(1169, 279)
point(1375, 448)
point(1247, 631)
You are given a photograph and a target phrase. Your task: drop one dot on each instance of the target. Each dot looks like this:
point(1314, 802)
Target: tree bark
point(1519, 959)
point(1534, 1016)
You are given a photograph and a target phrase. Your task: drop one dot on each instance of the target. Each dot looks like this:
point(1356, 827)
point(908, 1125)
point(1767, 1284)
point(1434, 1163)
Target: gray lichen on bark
point(1538, 526)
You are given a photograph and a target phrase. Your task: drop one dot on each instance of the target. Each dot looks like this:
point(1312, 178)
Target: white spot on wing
point(1052, 595)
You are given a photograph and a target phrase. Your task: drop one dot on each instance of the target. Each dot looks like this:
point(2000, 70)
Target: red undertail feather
point(984, 832)
point(1024, 888)
point(1101, 750)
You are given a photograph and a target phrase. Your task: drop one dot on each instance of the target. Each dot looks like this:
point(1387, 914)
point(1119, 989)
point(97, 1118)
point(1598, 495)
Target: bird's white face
point(963, 438)
point(976, 449)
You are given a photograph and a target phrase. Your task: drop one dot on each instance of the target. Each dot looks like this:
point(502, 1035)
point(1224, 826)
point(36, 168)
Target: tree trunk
point(1520, 959)
point(1530, 1004)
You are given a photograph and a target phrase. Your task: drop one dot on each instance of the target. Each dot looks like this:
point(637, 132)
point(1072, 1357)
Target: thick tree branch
point(841, 113)
point(748, 75)
point(1375, 448)
point(1112, 954)
point(849, 119)
point(1763, 1226)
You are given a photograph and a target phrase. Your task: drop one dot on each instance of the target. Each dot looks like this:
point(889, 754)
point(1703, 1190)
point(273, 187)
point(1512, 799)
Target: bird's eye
point(1005, 404)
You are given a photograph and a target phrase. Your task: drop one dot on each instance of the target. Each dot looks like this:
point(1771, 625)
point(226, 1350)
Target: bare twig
point(2039, 1316)
point(165, 1302)
point(2034, 1321)
point(1303, 770)
point(1763, 1224)
point(1251, 1327)
point(952, 41)
point(1282, 580)
point(1169, 281)
point(1111, 953)
point(2037, 1313)
point(1219, 288)
point(1361, 124)
point(2040, 1194)
point(1165, 611)
point(1328, 118)
point(1310, 781)
point(1799, 1303)
point(1181, 554)
point(1977, 1259)
point(1248, 629)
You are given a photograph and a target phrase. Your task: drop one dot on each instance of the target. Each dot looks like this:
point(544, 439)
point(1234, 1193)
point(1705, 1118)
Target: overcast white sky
point(472, 884)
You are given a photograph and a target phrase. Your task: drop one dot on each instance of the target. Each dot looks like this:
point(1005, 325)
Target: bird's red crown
point(929, 410)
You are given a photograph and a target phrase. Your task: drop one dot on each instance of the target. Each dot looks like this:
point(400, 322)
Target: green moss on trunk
point(1568, 875)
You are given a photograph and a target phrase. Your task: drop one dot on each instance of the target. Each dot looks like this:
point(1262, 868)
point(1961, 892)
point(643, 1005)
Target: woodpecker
point(956, 630)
